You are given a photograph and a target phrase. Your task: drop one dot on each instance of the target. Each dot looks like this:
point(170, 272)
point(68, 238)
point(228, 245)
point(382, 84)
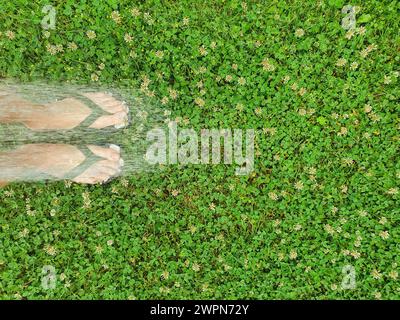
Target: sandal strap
point(89, 161)
point(97, 111)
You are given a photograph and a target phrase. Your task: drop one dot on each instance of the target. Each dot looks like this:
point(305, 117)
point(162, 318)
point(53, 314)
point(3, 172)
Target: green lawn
point(325, 190)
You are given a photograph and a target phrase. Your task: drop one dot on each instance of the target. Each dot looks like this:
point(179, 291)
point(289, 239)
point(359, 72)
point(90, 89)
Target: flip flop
point(98, 112)
point(89, 161)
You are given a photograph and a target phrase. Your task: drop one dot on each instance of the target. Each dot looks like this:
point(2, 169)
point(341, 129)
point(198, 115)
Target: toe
point(111, 153)
point(109, 172)
point(108, 165)
point(106, 101)
point(118, 119)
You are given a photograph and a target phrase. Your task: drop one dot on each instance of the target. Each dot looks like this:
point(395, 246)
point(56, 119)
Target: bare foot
point(70, 112)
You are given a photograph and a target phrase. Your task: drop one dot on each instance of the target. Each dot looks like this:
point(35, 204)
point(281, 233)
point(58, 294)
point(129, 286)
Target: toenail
point(115, 148)
point(120, 126)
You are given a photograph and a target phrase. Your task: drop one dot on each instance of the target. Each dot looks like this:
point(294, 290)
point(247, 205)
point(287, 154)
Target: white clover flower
point(299, 33)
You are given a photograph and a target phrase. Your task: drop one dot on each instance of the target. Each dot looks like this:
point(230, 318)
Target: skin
point(58, 159)
point(65, 114)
